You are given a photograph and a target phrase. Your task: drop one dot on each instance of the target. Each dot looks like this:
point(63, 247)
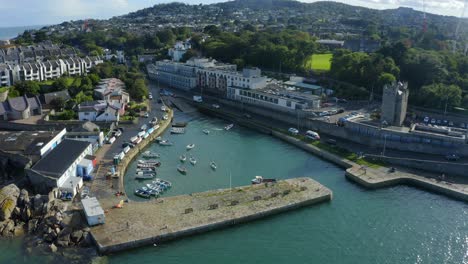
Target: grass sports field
point(319, 62)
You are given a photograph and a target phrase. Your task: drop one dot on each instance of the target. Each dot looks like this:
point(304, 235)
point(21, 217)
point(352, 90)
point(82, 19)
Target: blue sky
point(40, 12)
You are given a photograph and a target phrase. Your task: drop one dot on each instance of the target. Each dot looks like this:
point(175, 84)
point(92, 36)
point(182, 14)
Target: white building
point(118, 55)
point(52, 69)
point(93, 211)
point(179, 49)
point(6, 75)
point(58, 168)
point(99, 111)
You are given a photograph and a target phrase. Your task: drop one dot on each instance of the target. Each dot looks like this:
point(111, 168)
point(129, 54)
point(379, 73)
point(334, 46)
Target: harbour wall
point(353, 172)
point(254, 202)
point(134, 152)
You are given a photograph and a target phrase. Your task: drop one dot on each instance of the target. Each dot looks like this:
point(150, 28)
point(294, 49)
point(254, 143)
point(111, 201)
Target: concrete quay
point(146, 223)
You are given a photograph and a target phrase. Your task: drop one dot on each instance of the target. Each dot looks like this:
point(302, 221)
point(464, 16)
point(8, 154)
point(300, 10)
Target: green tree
point(57, 103)
point(82, 97)
point(439, 95)
point(28, 88)
point(61, 84)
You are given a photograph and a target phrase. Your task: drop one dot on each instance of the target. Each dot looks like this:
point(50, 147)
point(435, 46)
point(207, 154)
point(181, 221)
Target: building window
point(288, 103)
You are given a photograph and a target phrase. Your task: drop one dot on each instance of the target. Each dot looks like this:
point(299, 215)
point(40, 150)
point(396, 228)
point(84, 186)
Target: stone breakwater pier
point(147, 223)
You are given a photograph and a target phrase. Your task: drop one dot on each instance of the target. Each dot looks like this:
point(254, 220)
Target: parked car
point(150, 97)
point(312, 135)
point(450, 124)
point(452, 157)
point(146, 115)
point(216, 106)
point(426, 119)
point(340, 111)
point(433, 121)
point(462, 125)
point(117, 133)
point(445, 122)
point(293, 131)
point(439, 122)
point(331, 141)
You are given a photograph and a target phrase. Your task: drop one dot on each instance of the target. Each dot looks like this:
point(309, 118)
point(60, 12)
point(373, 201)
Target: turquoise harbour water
point(393, 225)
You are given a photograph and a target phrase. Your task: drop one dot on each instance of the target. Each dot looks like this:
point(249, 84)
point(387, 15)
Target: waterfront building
point(20, 107)
point(174, 74)
point(32, 145)
point(307, 85)
point(58, 168)
point(217, 81)
point(274, 98)
point(394, 103)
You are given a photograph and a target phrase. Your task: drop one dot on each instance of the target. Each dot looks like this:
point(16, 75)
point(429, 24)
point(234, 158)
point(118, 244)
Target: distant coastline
point(12, 32)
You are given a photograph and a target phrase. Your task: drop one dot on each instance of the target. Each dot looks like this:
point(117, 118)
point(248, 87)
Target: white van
point(312, 135)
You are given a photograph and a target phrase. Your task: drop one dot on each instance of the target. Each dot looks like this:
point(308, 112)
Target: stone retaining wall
point(130, 156)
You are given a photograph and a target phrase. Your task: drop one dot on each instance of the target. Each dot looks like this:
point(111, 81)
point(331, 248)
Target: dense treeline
point(435, 78)
point(287, 50)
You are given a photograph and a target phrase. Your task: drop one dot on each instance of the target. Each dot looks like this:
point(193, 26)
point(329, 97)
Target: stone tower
point(394, 103)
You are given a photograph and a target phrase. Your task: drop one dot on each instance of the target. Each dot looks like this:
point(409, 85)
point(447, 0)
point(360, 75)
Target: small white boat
point(206, 131)
point(193, 161)
point(213, 165)
point(183, 158)
point(165, 117)
point(177, 130)
point(190, 146)
point(228, 127)
point(182, 169)
point(150, 155)
point(163, 108)
point(165, 143)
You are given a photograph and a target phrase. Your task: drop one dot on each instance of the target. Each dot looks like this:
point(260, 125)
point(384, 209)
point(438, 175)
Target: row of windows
point(261, 97)
point(404, 139)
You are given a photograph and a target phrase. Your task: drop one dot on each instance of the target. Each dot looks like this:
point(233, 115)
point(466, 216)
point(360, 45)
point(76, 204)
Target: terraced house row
point(46, 70)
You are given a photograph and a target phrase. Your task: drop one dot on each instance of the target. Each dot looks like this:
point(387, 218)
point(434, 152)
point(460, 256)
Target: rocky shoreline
point(47, 224)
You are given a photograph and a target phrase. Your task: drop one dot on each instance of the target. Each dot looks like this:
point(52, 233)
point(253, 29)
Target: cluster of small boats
point(155, 188)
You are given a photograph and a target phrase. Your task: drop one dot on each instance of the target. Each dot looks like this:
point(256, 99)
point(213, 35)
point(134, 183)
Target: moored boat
point(150, 155)
point(206, 131)
point(141, 193)
point(145, 176)
point(228, 127)
point(182, 169)
point(179, 124)
point(190, 146)
point(213, 165)
point(165, 143)
point(182, 158)
point(177, 130)
point(260, 179)
point(193, 161)
point(148, 165)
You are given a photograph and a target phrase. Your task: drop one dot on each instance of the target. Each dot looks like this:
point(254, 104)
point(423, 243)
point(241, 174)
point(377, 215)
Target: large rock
point(26, 214)
point(76, 236)
point(86, 240)
point(32, 225)
point(23, 199)
point(63, 243)
point(53, 248)
point(8, 198)
point(9, 227)
point(38, 204)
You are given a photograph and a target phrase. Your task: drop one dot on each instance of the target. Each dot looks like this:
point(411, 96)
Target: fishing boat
point(182, 169)
point(165, 143)
point(190, 146)
point(147, 161)
point(150, 191)
point(228, 127)
point(146, 170)
point(213, 165)
point(158, 139)
point(260, 179)
point(206, 131)
point(193, 161)
point(182, 158)
point(141, 193)
point(148, 176)
point(150, 155)
point(148, 165)
point(177, 130)
point(179, 124)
